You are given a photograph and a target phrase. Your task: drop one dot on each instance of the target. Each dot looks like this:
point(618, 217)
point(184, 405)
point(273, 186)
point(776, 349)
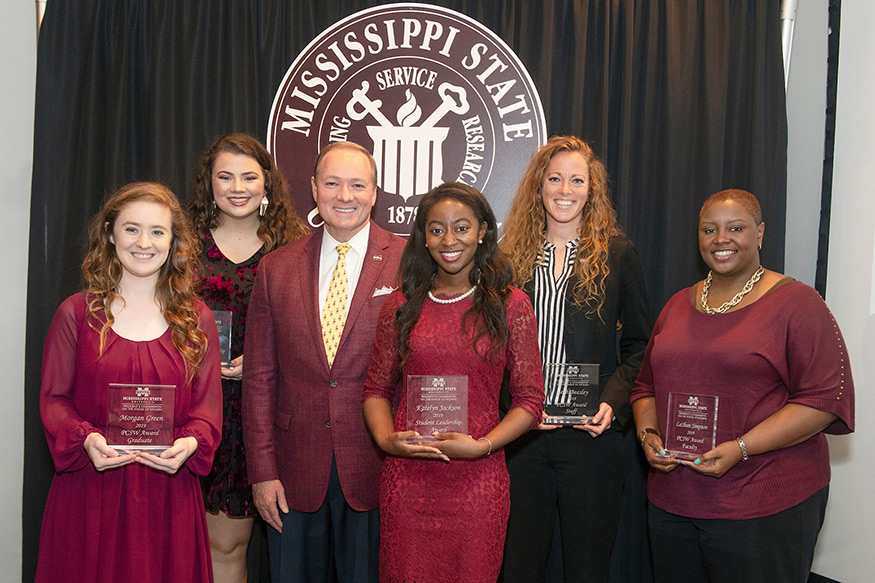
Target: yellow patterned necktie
point(334, 312)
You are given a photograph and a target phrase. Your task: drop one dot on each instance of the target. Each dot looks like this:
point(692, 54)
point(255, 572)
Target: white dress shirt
point(354, 260)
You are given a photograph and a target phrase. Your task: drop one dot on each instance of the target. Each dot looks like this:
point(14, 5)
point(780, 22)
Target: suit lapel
point(372, 266)
point(310, 293)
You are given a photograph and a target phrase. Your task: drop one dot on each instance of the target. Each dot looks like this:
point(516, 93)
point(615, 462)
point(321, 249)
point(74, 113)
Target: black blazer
point(617, 340)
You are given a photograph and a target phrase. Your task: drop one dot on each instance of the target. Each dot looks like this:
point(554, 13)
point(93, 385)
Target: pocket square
point(382, 291)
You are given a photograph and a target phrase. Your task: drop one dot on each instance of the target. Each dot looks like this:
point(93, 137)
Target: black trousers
point(335, 543)
point(582, 477)
point(773, 549)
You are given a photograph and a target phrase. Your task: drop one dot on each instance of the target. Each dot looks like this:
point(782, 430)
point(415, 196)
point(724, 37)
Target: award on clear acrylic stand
point(139, 417)
point(223, 325)
point(436, 403)
point(691, 427)
point(576, 390)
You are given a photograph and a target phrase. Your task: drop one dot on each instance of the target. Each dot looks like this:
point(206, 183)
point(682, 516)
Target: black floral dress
point(224, 285)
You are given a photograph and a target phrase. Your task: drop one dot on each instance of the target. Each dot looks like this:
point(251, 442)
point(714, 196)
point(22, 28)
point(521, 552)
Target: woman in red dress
point(240, 206)
point(114, 516)
point(444, 505)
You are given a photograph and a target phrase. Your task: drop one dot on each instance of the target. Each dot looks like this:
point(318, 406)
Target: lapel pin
point(378, 257)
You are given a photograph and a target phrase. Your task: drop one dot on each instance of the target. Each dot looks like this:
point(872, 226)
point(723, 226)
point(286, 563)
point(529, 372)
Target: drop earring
point(262, 208)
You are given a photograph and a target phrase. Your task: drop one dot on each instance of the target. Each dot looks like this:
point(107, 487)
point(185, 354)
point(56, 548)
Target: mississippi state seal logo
point(433, 94)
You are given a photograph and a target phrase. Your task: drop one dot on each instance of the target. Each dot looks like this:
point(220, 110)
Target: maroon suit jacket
point(297, 412)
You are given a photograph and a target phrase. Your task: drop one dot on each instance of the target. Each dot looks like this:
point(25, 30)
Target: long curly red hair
point(527, 220)
point(173, 290)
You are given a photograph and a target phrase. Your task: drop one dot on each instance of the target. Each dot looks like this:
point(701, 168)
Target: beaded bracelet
point(644, 433)
point(486, 439)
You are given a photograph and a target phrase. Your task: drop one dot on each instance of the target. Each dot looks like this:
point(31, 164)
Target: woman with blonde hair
point(585, 282)
point(124, 514)
point(241, 209)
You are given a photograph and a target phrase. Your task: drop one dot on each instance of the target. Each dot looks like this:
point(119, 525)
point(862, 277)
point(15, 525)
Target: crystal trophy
point(691, 427)
point(574, 390)
point(139, 417)
point(223, 325)
point(436, 403)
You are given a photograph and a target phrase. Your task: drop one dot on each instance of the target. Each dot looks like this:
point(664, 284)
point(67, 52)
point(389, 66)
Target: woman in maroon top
point(125, 516)
point(767, 347)
point(240, 206)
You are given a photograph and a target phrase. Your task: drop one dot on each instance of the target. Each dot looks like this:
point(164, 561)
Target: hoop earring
point(262, 207)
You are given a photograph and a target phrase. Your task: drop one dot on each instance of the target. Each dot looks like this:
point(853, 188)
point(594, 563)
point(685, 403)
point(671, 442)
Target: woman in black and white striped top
point(585, 282)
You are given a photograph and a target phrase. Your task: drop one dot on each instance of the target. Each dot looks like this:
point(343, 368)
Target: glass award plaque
point(691, 427)
point(223, 325)
point(140, 417)
point(436, 403)
point(574, 390)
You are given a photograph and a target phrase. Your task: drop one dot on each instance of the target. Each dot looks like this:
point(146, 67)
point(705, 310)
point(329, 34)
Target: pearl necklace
point(452, 300)
point(736, 298)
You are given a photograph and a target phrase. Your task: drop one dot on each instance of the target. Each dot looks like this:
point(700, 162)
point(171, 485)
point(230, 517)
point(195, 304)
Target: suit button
point(328, 423)
point(332, 384)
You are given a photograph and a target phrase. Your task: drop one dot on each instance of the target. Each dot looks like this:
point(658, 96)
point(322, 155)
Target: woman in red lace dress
point(240, 206)
point(444, 505)
point(124, 517)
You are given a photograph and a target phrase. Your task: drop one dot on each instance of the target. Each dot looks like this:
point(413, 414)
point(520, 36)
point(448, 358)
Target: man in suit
point(311, 461)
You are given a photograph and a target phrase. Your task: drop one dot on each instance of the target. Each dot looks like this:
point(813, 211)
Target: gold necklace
point(737, 298)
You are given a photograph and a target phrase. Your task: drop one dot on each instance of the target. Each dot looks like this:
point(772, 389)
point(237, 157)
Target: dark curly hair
point(491, 273)
point(280, 223)
point(173, 290)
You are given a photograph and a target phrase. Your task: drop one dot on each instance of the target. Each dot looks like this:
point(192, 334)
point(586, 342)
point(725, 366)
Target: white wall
point(844, 549)
point(18, 69)
point(846, 543)
point(806, 106)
